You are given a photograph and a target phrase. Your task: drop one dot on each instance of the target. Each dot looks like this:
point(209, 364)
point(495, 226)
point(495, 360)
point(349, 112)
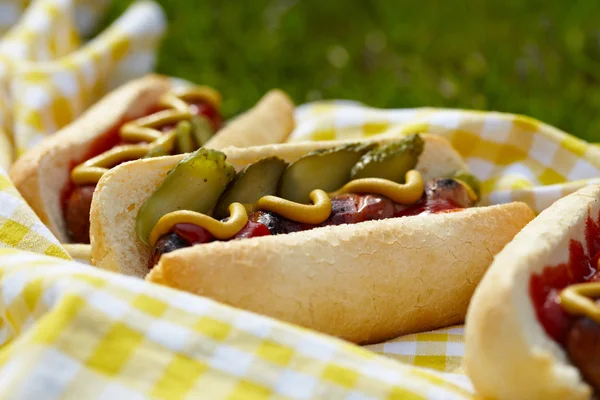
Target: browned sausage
point(77, 214)
point(448, 189)
point(166, 244)
point(583, 347)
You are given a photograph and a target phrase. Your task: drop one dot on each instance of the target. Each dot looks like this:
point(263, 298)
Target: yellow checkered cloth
point(515, 157)
point(47, 79)
point(441, 350)
point(87, 12)
point(19, 226)
point(71, 331)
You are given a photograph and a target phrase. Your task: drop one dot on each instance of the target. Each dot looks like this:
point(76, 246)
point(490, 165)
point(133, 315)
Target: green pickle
point(470, 180)
point(195, 184)
point(327, 169)
point(390, 161)
point(201, 129)
point(253, 182)
point(183, 137)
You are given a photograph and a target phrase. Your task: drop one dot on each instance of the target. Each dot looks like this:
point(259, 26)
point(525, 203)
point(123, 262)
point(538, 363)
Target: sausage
point(449, 190)
point(77, 213)
point(276, 224)
point(166, 244)
point(583, 347)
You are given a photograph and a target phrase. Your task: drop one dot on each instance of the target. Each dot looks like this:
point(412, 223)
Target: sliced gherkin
point(202, 129)
point(253, 182)
point(327, 169)
point(194, 184)
point(390, 161)
point(470, 180)
point(183, 137)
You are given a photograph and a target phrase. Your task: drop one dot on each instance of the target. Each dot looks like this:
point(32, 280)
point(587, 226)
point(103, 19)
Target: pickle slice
point(327, 170)
point(469, 179)
point(253, 182)
point(390, 161)
point(183, 137)
point(194, 184)
point(201, 129)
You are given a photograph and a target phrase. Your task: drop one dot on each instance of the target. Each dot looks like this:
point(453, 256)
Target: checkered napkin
point(20, 228)
point(515, 157)
point(87, 12)
point(74, 332)
point(47, 79)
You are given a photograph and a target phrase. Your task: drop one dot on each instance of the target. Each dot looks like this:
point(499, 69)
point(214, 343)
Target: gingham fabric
point(88, 13)
point(74, 332)
point(516, 157)
point(442, 350)
point(47, 79)
point(20, 228)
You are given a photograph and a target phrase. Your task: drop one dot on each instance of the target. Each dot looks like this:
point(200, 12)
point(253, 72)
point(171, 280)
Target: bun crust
point(270, 121)
point(508, 353)
point(363, 282)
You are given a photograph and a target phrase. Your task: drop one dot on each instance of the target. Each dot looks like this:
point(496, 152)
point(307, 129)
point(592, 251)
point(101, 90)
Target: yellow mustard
point(319, 211)
point(221, 230)
point(577, 300)
point(145, 130)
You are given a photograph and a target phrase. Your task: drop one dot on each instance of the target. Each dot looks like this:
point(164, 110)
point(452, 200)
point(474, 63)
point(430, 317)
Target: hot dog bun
point(363, 282)
point(508, 353)
point(42, 173)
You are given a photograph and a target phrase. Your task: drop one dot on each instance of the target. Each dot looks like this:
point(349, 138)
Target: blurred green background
point(538, 58)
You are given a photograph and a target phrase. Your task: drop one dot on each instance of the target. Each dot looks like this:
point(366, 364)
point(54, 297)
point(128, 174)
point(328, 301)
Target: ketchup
point(545, 287)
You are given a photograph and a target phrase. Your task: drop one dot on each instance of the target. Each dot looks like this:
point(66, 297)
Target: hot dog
point(362, 240)
point(533, 327)
point(145, 118)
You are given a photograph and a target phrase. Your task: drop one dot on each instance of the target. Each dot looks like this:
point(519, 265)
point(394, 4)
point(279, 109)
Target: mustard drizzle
point(576, 300)
point(146, 130)
point(318, 212)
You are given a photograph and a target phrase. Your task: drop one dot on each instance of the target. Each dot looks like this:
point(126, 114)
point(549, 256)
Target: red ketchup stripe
point(545, 287)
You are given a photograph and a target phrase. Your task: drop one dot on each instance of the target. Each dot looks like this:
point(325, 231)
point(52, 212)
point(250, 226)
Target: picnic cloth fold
point(87, 12)
point(48, 78)
point(72, 331)
point(19, 226)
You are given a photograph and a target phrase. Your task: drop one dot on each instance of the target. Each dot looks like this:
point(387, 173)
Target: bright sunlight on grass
point(539, 58)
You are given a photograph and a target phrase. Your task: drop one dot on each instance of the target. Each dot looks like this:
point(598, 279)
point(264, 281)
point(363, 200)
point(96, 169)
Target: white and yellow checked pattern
point(47, 80)
point(516, 157)
point(88, 13)
point(19, 226)
point(75, 332)
point(442, 350)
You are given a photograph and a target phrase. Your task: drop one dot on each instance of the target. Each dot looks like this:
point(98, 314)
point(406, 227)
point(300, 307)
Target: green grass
point(538, 58)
